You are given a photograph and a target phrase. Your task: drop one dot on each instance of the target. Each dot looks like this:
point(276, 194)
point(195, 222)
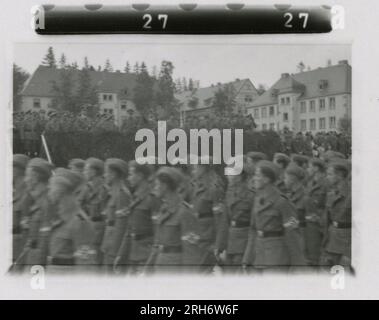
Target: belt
point(169, 249)
point(239, 224)
point(341, 225)
point(62, 261)
point(111, 223)
point(97, 219)
point(140, 236)
point(269, 234)
point(202, 215)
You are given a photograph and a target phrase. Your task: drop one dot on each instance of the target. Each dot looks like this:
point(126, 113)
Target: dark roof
point(203, 94)
point(307, 83)
point(41, 82)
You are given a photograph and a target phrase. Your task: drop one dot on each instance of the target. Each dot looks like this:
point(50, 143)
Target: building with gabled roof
point(199, 101)
point(115, 90)
point(312, 100)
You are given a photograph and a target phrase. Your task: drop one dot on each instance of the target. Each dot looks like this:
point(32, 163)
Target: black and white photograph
point(91, 195)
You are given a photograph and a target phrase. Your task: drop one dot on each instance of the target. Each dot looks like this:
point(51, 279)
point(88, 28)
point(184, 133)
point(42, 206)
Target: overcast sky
point(207, 63)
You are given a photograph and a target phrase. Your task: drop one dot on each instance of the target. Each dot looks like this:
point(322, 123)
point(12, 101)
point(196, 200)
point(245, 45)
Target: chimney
point(343, 62)
point(285, 75)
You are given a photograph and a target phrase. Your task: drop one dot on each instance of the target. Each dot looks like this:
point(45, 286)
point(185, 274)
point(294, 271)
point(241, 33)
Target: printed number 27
point(148, 18)
point(289, 16)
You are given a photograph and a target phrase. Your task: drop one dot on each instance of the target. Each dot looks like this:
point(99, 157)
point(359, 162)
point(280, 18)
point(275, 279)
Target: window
point(256, 113)
point(110, 97)
point(264, 112)
point(285, 116)
point(272, 111)
point(264, 126)
point(36, 103)
point(303, 107)
point(272, 126)
point(312, 106)
point(303, 125)
point(282, 101)
point(321, 123)
point(323, 84)
point(111, 111)
point(332, 122)
point(322, 104)
point(107, 97)
point(288, 100)
point(332, 103)
point(123, 107)
point(248, 98)
point(312, 124)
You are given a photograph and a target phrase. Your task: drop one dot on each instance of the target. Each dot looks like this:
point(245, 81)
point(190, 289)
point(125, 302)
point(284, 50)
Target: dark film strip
point(182, 19)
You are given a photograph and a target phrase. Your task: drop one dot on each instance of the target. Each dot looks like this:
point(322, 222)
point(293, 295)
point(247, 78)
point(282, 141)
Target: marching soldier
point(337, 241)
point(233, 229)
point(202, 217)
point(37, 174)
point(77, 165)
point(315, 211)
point(282, 161)
point(92, 200)
point(293, 179)
point(72, 232)
point(138, 239)
point(21, 202)
point(167, 250)
point(302, 161)
point(115, 212)
point(253, 158)
point(273, 236)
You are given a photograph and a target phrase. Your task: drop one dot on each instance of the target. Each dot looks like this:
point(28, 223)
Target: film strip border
point(186, 19)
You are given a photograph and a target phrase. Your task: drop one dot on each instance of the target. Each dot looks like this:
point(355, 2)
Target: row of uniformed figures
point(121, 217)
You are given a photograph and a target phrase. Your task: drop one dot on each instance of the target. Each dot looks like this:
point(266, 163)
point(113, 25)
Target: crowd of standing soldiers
point(116, 217)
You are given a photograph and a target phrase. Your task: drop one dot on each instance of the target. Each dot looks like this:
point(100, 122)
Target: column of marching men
point(126, 218)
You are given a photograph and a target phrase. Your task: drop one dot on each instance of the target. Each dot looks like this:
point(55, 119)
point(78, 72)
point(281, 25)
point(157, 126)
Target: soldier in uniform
point(302, 161)
point(77, 165)
point(282, 161)
point(233, 229)
point(115, 211)
point(337, 241)
point(315, 211)
point(293, 179)
point(92, 198)
point(21, 202)
point(167, 250)
point(202, 217)
point(72, 232)
point(274, 239)
point(253, 158)
point(138, 238)
point(37, 174)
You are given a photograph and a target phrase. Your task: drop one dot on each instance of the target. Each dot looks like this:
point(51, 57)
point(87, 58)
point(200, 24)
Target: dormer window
point(322, 84)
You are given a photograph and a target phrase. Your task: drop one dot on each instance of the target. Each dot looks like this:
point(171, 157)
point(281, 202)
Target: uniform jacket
point(298, 198)
point(338, 205)
point(117, 203)
point(92, 198)
point(316, 201)
point(139, 235)
point(271, 212)
point(72, 236)
point(238, 205)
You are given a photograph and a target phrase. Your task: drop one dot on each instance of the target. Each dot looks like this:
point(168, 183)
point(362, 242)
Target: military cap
point(170, 175)
point(77, 163)
point(331, 155)
point(299, 159)
point(269, 169)
point(294, 170)
point(257, 156)
point(96, 164)
point(20, 161)
point(236, 165)
point(282, 158)
point(145, 169)
point(118, 165)
point(71, 180)
point(316, 162)
point(41, 166)
point(341, 165)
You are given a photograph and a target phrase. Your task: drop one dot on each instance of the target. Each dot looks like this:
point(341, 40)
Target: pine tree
point(127, 67)
point(19, 78)
point(184, 84)
point(143, 92)
point(49, 59)
point(224, 100)
point(190, 84)
point(74, 65)
point(143, 68)
point(154, 72)
point(62, 61)
point(136, 68)
point(86, 65)
point(178, 85)
point(108, 67)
